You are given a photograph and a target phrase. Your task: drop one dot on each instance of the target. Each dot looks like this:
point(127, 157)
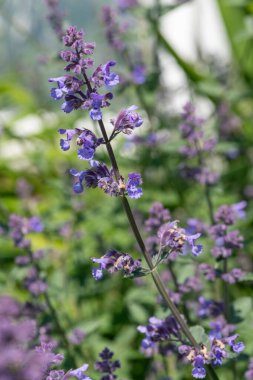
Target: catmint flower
point(114, 261)
point(236, 347)
point(190, 284)
point(127, 120)
point(76, 337)
point(233, 276)
point(78, 93)
point(177, 240)
point(158, 215)
point(198, 371)
point(34, 284)
point(132, 185)
point(79, 373)
point(196, 145)
point(19, 227)
point(158, 330)
point(229, 214)
point(208, 271)
point(209, 308)
point(139, 74)
point(113, 28)
point(99, 101)
point(103, 76)
point(55, 17)
point(107, 366)
point(220, 328)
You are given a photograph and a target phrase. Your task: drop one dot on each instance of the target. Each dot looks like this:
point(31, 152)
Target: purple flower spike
point(132, 186)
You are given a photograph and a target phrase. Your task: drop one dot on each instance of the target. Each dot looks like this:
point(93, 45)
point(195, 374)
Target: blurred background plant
point(158, 76)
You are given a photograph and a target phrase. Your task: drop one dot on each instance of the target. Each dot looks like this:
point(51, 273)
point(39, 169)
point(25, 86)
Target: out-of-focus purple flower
point(220, 328)
point(18, 360)
point(233, 276)
point(208, 271)
point(76, 337)
point(34, 284)
point(139, 73)
point(208, 308)
point(125, 4)
point(195, 226)
point(127, 120)
point(55, 17)
point(79, 373)
point(228, 122)
point(114, 261)
point(249, 372)
point(229, 214)
point(19, 227)
point(190, 284)
point(133, 185)
point(177, 240)
point(23, 188)
point(113, 28)
point(22, 260)
point(107, 366)
point(158, 215)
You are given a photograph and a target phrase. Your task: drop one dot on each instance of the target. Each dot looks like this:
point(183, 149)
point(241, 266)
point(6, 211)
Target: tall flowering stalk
point(83, 91)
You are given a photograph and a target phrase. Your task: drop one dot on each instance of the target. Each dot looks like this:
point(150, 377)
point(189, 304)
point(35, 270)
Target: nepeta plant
point(83, 91)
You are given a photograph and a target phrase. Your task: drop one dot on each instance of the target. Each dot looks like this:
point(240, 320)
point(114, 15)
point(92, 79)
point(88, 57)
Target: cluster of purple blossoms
point(220, 328)
point(166, 236)
point(107, 366)
point(71, 89)
point(126, 121)
point(210, 273)
point(100, 176)
point(228, 123)
point(114, 30)
point(176, 241)
point(114, 261)
point(219, 350)
point(157, 331)
point(209, 308)
point(196, 146)
point(83, 93)
point(19, 358)
point(225, 240)
point(19, 227)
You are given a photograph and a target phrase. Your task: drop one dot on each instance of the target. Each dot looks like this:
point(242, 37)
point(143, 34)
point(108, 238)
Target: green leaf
point(199, 334)
point(242, 306)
